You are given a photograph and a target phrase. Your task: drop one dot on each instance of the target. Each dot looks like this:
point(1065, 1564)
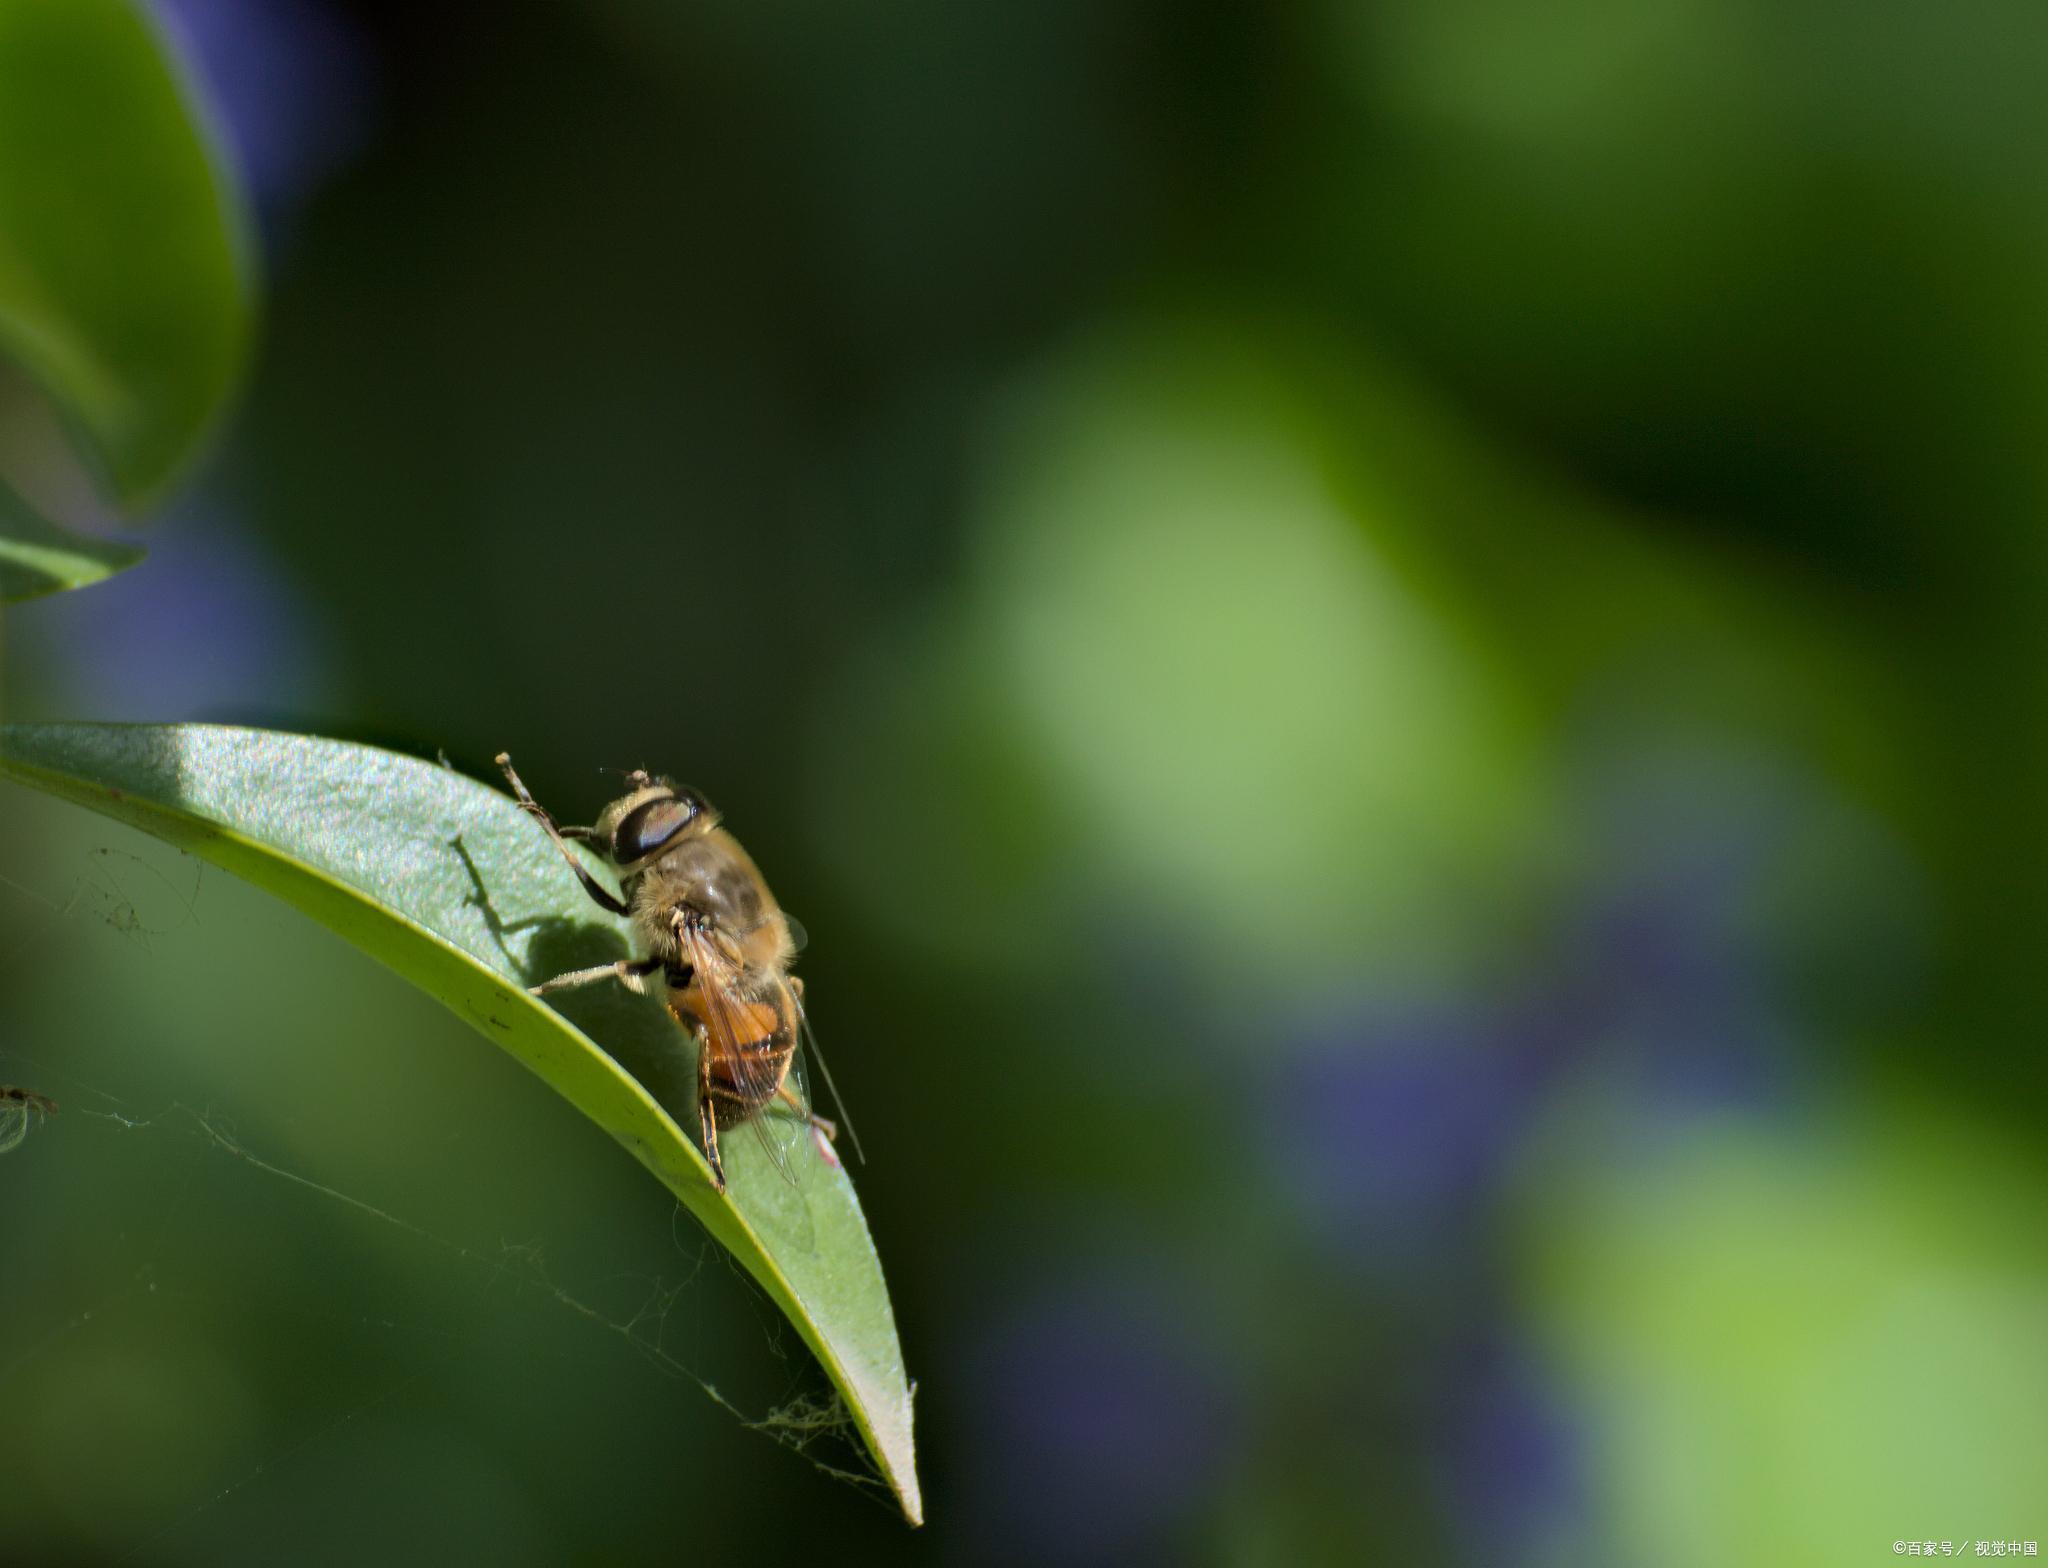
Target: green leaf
point(452, 886)
point(38, 557)
point(124, 284)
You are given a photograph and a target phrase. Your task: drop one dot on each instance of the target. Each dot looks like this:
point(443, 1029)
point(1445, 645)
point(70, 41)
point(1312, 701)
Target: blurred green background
point(1394, 652)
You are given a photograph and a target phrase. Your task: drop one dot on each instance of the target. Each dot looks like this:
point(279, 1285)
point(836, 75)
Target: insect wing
point(809, 1052)
point(785, 1124)
point(776, 1130)
point(731, 1022)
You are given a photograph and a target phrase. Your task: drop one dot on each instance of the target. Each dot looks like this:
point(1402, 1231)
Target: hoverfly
point(718, 949)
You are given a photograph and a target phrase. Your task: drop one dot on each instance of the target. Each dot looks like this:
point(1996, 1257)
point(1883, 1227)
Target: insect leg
point(708, 1116)
point(599, 894)
point(631, 975)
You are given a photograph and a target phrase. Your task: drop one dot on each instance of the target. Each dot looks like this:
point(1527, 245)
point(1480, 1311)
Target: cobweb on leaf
point(185, 1163)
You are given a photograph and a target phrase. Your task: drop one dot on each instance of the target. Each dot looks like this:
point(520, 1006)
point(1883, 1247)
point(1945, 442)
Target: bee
point(717, 949)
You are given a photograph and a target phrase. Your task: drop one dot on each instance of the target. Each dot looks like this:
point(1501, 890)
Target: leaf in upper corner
point(124, 274)
point(38, 557)
point(448, 883)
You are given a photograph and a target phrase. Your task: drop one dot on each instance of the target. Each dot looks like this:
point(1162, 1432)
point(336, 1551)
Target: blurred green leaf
point(1799, 1333)
point(124, 285)
point(1163, 559)
point(38, 557)
point(452, 886)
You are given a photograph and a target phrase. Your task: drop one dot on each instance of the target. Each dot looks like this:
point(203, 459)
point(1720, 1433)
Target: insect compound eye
point(646, 828)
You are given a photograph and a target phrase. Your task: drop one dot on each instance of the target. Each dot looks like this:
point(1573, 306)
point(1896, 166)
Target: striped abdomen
point(749, 1029)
